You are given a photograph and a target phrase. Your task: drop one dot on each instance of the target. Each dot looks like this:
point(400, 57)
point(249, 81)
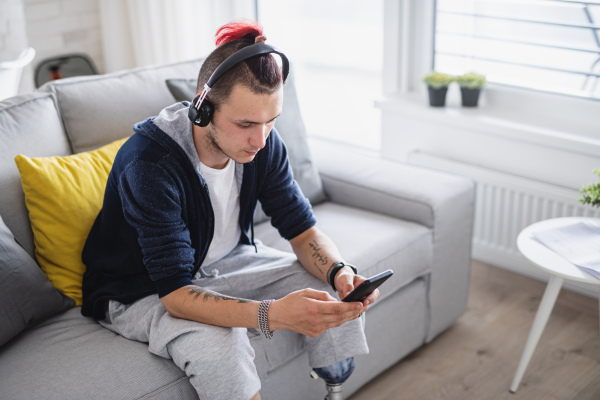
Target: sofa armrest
point(442, 202)
point(402, 191)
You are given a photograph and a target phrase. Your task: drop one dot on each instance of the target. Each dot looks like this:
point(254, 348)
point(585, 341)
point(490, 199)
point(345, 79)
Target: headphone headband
point(201, 110)
point(255, 49)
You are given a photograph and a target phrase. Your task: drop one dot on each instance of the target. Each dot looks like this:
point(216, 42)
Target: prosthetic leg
point(334, 376)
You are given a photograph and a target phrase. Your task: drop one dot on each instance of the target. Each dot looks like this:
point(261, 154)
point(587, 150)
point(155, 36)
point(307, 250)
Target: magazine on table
point(578, 243)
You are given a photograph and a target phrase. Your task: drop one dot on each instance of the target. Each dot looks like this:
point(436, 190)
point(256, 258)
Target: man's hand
point(311, 312)
point(345, 282)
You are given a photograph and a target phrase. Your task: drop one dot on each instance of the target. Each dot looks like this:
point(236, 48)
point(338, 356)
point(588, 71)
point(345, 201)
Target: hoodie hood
point(174, 121)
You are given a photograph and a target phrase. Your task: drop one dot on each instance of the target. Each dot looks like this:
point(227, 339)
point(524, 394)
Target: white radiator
point(504, 205)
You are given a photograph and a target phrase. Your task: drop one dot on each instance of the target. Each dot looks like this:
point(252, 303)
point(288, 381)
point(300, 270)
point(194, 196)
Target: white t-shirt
point(225, 200)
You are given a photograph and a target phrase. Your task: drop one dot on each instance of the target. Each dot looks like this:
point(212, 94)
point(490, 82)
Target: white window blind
point(548, 45)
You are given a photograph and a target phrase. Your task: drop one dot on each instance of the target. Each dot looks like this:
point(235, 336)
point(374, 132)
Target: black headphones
point(201, 110)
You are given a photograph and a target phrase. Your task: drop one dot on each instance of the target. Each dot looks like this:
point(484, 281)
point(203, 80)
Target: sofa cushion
point(291, 128)
point(182, 89)
point(100, 109)
point(73, 357)
point(26, 296)
point(63, 196)
point(28, 124)
point(373, 242)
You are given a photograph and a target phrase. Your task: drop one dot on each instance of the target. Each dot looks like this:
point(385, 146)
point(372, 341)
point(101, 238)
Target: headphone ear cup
point(206, 113)
point(202, 116)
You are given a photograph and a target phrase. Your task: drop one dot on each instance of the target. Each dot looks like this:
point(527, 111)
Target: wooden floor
point(477, 357)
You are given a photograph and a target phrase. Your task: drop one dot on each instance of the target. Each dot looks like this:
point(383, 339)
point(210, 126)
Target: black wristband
point(335, 269)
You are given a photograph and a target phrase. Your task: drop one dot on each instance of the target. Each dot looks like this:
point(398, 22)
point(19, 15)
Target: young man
point(171, 259)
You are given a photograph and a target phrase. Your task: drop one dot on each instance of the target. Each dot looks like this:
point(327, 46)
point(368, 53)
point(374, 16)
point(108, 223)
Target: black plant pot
point(437, 97)
point(470, 97)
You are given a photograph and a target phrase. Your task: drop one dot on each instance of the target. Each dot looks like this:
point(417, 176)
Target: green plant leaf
point(471, 80)
point(591, 193)
point(438, 80)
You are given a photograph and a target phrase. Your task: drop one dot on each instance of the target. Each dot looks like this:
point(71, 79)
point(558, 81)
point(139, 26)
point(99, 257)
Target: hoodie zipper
point(211, 223)
point(252, 216)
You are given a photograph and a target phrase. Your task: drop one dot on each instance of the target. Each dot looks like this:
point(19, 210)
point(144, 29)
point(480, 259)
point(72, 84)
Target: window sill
point(512, 125)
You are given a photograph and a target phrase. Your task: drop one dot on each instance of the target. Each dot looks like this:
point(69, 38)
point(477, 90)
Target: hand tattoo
point(196, 291)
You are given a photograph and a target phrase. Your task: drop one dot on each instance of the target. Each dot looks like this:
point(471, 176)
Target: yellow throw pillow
point(64, 196)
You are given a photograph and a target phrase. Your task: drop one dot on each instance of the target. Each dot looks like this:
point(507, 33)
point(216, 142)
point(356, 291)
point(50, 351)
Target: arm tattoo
point(320, 259)
point(196, 291)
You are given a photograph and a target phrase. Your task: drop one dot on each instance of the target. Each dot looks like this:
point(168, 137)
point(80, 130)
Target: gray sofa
point(380, 214)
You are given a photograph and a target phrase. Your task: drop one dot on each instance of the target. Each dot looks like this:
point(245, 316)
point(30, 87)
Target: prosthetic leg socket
point(334, 375)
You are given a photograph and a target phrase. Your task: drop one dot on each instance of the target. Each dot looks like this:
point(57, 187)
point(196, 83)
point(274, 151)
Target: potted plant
point(470, 87)
point(437, 85)
point(591, 193)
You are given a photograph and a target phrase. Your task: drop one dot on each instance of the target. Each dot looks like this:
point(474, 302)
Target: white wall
point(58, 27)
point(51, 27)
point(13, 38)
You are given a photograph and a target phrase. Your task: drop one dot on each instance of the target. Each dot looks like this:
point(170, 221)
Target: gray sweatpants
point(220, 361)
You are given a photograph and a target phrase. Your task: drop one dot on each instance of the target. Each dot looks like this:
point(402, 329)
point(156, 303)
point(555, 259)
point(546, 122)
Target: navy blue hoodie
point(156, 222)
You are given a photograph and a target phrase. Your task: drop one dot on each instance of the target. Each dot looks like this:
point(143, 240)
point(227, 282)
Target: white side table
point(559, 270)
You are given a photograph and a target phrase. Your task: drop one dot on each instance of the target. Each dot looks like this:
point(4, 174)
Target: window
point(549, 45)
point(336, 51)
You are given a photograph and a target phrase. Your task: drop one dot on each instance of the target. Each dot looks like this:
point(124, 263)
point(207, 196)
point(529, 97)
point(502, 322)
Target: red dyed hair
point(236, 30)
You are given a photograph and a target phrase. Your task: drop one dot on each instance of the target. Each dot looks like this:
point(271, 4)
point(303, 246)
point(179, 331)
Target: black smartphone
point(368, 286)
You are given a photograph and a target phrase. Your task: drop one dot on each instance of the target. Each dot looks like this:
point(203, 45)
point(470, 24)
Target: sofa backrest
point(30, 125)
point(100, 109)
